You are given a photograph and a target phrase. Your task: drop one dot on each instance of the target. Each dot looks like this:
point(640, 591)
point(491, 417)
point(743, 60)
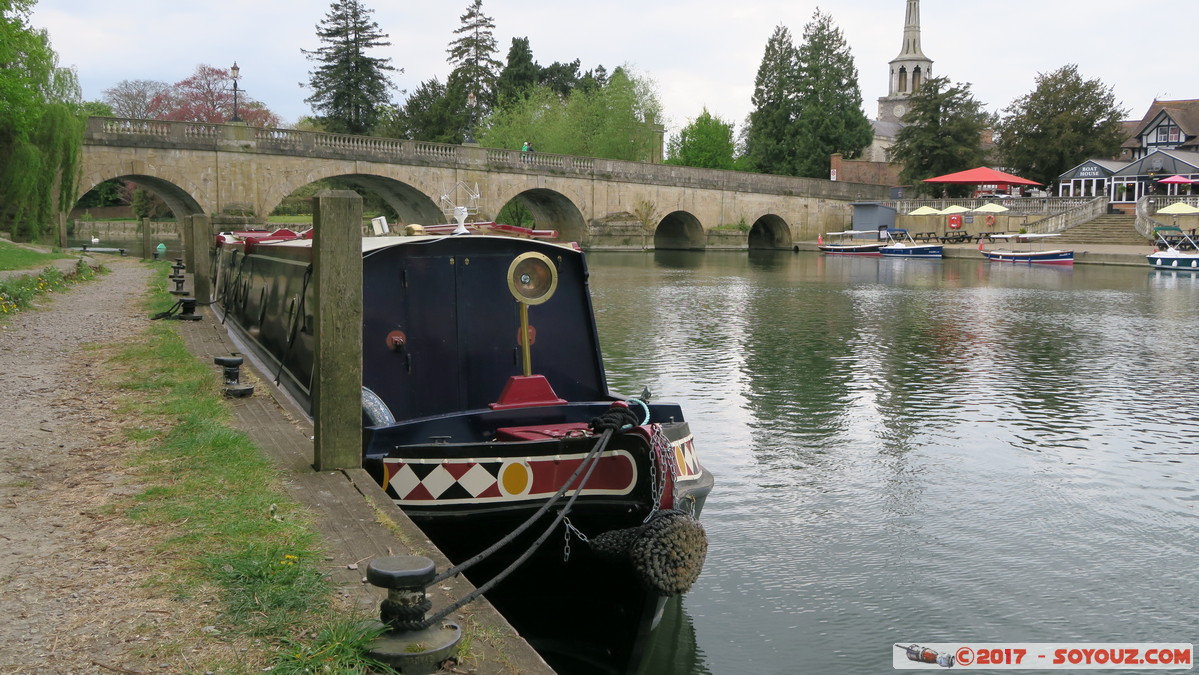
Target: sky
point(699, 53)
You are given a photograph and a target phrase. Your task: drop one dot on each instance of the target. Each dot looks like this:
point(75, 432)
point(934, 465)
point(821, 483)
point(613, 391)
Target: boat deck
point(347, 508)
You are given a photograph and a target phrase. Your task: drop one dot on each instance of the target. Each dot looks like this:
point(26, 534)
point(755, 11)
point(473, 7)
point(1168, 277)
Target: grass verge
point(19, 293)
point(229, 529)
point(13, 257)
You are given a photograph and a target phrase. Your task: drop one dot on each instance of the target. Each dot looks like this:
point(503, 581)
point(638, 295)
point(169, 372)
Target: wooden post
point(62, 230)
point(337, 367)
point(186, 242)
point(200, 242)
point(147, 244)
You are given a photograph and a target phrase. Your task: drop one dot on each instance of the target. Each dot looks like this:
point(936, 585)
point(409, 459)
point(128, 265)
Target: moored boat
point(901, 245)
point(1028, 256)
point(845, 243)
point(485, 406)
point(1174, 250)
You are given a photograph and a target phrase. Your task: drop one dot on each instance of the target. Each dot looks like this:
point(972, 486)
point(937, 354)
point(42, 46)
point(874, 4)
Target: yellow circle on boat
point(514, 478)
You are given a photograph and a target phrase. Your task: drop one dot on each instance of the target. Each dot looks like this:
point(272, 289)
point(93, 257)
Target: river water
point(913, 451)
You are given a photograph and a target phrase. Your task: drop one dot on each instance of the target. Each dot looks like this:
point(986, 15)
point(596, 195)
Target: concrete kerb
point(356, 519)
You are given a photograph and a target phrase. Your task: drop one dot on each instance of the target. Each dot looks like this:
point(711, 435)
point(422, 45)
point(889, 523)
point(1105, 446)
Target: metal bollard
point(233, 386)
point(413, 652)
point(177, 277)
point(187, 310)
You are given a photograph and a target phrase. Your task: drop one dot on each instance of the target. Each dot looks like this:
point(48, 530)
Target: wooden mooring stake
point(337, 370)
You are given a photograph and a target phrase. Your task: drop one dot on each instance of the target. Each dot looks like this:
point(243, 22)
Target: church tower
point(909, 70)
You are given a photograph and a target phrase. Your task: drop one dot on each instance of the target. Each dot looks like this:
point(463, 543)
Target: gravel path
point(72, 570)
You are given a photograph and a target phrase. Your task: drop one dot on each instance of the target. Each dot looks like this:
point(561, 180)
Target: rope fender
point(667, 553)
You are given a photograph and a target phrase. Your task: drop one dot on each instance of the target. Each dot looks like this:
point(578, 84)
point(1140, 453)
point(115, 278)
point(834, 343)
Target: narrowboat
point(484, 394)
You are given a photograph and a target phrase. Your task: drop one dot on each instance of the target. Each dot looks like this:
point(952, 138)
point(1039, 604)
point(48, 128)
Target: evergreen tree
point(520, 73)
point(830, 117)
point(427, 115)
point(472, 56)
point(348, 86)
point(563, 78)
point(707, 143)
point(770, 137)
point(41, 126)
point(942, 134)
point(1062, 123)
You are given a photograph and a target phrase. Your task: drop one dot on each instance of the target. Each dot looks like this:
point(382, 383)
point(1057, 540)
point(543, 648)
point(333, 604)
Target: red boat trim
point(497, 479)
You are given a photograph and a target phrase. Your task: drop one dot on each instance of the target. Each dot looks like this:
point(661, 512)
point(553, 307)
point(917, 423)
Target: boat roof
point(1167, 228)
point(370, 244)
point(897, 230)
point(852, 232)
point(1037, 235)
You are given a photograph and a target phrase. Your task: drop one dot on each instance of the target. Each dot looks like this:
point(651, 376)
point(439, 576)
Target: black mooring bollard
point(187, 310)
point(233, 386)
point(413, 652)
point(177, 277)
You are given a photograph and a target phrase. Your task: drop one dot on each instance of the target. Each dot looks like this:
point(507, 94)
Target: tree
point(472, 56)
point(136, 98)
point(207, 96)
point(829, 113)
point(41, 126)
point(1063, 122)
point(563, 78)
point(942, 134)
point(520, 73)
point(427, 115)
point(617, 121)
point(707, 142)
point(349, 86)
point(770, 136)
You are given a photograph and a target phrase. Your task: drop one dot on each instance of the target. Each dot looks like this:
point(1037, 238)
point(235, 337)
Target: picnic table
point(989, 236)
point(925, 236)
point(956, 238)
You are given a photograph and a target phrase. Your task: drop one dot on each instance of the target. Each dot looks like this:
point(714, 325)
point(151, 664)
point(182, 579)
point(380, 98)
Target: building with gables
point(1167, 125)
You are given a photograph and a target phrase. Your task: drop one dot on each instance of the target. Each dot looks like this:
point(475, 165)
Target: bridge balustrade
point(122, 132)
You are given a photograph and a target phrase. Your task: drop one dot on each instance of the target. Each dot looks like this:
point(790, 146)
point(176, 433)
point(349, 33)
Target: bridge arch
point(553, 210)
point(770, 231)
point(178, 199)
point(410, 203)
point(680, 230)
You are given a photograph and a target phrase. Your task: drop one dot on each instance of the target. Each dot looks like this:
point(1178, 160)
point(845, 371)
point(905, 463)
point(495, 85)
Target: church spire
point(911, 33)
point(908, 71)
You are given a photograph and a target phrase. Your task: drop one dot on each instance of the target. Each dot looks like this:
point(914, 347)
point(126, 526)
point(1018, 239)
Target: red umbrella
point(981, 175)
point(1177, 180)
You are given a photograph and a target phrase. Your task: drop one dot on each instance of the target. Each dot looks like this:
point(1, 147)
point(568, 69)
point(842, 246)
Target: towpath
point(74, 572)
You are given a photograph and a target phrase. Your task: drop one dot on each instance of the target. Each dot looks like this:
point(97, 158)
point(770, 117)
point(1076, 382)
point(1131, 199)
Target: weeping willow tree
point(41, 126)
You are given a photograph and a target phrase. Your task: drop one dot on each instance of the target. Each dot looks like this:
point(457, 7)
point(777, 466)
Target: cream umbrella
point(925, 211)
point(991, 207)
point(954, 208)
point(1178, 209)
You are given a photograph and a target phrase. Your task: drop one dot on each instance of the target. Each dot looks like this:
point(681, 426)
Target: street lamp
point(470, 123)
point(235, 72)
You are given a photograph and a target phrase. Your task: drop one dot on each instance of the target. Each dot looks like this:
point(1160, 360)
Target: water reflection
point(920, 450)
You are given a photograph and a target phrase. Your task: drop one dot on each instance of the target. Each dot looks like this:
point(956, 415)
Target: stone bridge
point(231, 172)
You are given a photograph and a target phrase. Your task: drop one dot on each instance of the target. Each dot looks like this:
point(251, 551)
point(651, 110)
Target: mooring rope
point(590, 462)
